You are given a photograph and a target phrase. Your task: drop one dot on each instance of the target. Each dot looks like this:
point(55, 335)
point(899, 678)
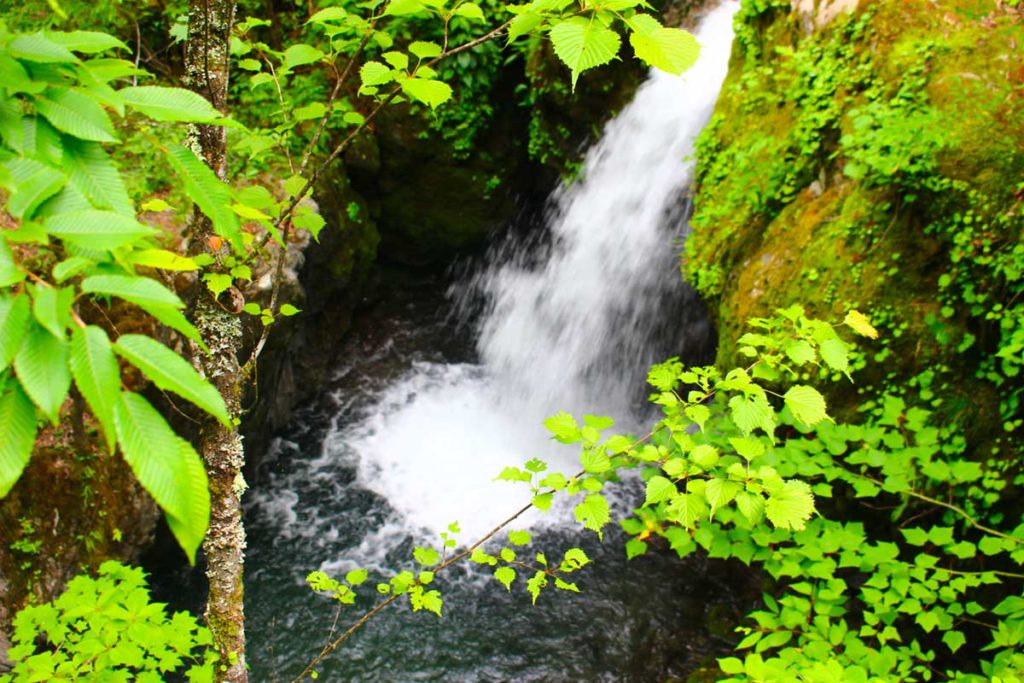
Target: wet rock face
point(846, 137)
point(74, 507)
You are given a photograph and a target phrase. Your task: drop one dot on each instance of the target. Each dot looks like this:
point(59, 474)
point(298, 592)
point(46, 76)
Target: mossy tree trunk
point(207, 61)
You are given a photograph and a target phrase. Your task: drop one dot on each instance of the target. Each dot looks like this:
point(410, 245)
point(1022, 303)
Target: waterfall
point(572, 332)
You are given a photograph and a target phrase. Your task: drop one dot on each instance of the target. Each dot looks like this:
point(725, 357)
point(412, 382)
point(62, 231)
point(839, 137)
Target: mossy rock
point(784, 216)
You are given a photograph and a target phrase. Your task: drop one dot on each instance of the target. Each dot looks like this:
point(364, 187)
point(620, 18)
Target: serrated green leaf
point(860, 324)
point(42, 368)
point(167, 467)
point(9, 272)
point(424, 49)
point(327, 14)
point(593, 513)
point(97, 376)
point(747, 447)
point(806, 404)
point(301, 54)
point(635, 548)
point(519, 537)
point(316, 110)
point(87, 42)
point(480, 557)
point(670, 49)
point(720, 492)
point(705, 456)
point(659, 489)
point(209, 193)
point(162, 259)
point(92, 172)
point(915, 536)
point(505, 576)
point(800, 352)
point(429, 92)
point(357, 577)
point(752, 412)
point(137, 290)
point(170, 372)
point(954, 640)
point(77, 114)
point(427, 557)
point(523, 24)
point(38, 48)
point(399, 8)
point(751, 506)
point(564, 428)
point(34, 184)
point(595, 461)
point(836, 354)
point(583, 44)
point(96, 229)
point(470, 10)
point(374, 73)
point(169, 104)
point(398, 60)
point(14, 315)
point(51, 307)
point(535, 584)
point(699, 414)
point(791, 506)
point(18, 426)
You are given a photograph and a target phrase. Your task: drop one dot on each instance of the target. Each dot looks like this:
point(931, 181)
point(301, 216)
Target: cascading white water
point(570, 333)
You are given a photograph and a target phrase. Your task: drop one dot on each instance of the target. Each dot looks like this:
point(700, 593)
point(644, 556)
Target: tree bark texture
point(206, 64)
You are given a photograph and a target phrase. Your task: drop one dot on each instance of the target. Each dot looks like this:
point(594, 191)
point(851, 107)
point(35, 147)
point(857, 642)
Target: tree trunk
point(206, 64)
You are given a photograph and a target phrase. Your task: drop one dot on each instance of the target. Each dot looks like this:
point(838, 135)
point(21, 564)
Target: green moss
point(864, 166)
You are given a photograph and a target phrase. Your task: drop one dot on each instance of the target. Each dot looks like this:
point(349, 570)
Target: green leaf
point(836, 354)
point(699, 414)
point(595, 461)
point(564, 428)
point(800, 352)
point(18, 426)
point(9, 272)
point(137, 290)
point(316, 110)
point(51, 307)
point(96, 229)
point(298, 55)
point(806, 404)
point(470, 10)
point(97, 376)
point(35, 183)
point(398, 60)
point(38, 48)
point(751, 412)
point(169, 104)
point(424, 50)
point(14, 315)
point(593, 512)
point(397, 8)
point(92, 172)
point(747, 447)
point(42, 368)
point(659, 489)
point(375, 73)
point(167, 467)
point(720, 492)
point(523, 24)
point(583, 44)
point(209, 192)
point(77, 114)
point(162, 259)
point(519, 537)
point(751, 505)
point(87, 42)
point(429, 92)
point(563, 585)
point(915, 536)
point(535, 584)
point(954, 640)
point(170, 372)
point(427, 557)
point(669, 49)
point(860, 324)
point(791, 506)
point(635, 548)
point(327, 14)
point(505, 576)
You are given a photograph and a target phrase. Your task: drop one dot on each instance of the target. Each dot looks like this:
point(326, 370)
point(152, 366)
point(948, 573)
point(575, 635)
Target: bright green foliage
point(79, 241)
point(108, 629)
